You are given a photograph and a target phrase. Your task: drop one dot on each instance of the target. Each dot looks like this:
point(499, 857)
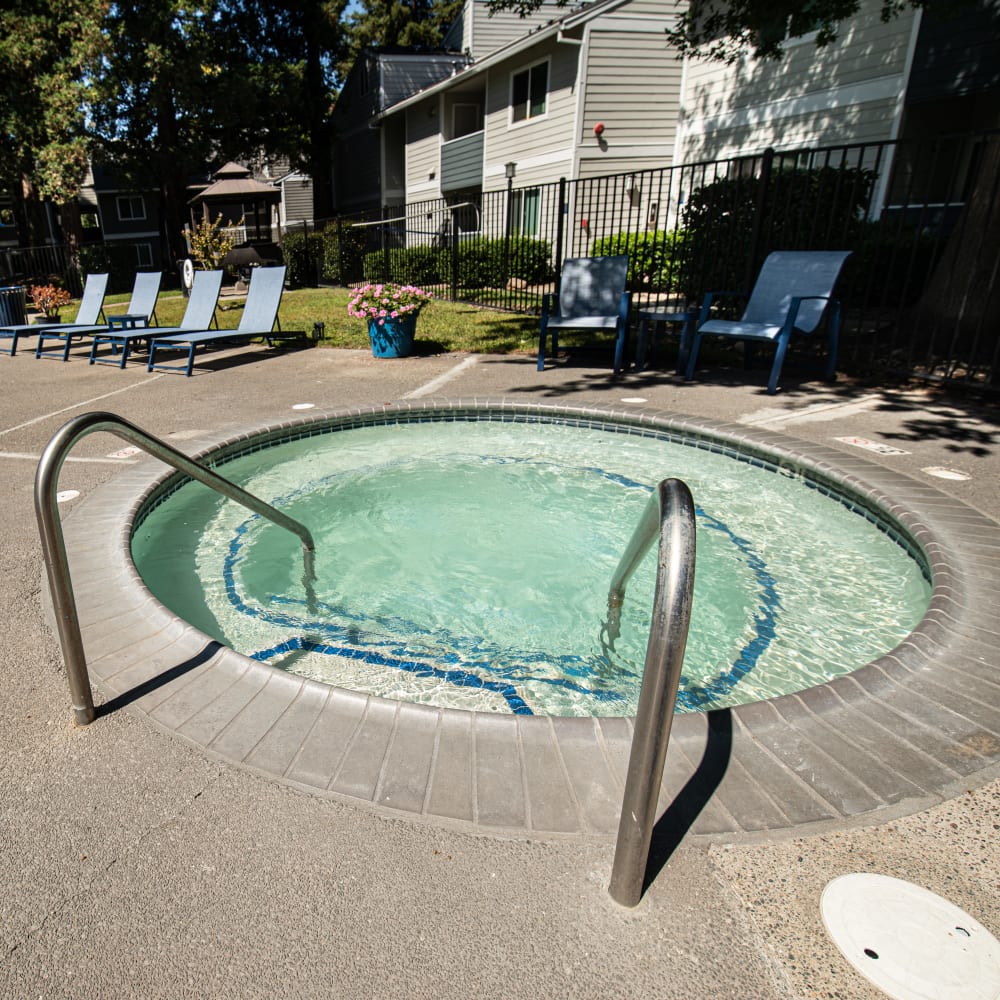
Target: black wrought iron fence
point(921, 289)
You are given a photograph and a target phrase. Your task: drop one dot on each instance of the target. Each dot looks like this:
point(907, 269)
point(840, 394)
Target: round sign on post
point(187, 273)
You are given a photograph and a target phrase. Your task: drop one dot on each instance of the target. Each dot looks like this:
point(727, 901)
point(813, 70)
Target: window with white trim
point(529, 93)
point(143, 255)
point(131, 207)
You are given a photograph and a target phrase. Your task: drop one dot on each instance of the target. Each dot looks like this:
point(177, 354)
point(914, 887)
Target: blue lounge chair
point(199, 314)
point(591, 296)
point(260, 316)
point(140, 310)
point(90, 311)
point(793, 291)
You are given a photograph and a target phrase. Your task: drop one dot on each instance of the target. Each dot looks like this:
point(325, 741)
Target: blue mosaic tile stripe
point(363, 645)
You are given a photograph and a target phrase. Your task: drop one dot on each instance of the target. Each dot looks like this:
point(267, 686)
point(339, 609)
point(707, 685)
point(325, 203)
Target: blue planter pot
point(394, 338)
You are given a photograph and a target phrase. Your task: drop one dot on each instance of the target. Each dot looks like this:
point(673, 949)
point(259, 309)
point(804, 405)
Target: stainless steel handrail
point(669, 515)
point(54, 548)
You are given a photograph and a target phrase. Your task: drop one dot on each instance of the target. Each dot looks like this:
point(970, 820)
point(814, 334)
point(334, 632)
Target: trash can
point(12, 305)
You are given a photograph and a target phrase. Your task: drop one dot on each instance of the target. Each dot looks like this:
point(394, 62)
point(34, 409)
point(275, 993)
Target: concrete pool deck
point(137, 863)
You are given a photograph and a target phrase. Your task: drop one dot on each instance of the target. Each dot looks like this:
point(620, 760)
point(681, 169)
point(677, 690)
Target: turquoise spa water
point(467, 565)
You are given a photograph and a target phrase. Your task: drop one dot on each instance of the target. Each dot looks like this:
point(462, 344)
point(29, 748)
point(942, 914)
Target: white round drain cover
point(909, 942)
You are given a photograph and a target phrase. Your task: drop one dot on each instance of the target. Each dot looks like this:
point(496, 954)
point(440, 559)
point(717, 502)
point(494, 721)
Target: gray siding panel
point(462, 163)
point(298, 198)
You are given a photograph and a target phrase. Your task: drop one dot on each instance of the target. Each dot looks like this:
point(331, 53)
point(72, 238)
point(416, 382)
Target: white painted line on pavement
point(809, 414)
point(76, 406)
point(436, 383)
point(943, 473)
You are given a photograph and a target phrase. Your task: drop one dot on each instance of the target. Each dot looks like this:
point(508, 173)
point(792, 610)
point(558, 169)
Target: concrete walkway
point(134, 865)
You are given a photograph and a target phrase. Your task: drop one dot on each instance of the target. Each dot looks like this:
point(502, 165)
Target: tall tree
point(409, 23)
point(48, 52)
point(296, 46)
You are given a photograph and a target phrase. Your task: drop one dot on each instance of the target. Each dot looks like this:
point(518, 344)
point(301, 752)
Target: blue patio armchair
point(591, 296)
point(793, 292)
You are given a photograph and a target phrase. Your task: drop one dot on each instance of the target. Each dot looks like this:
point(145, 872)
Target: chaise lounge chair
point(260, 315)
point(141, 309)
point(198, 315)
point(591, 296)
point(90, 311)
point(791, 295)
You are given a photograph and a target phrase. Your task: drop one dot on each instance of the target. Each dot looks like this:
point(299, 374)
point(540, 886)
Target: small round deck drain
point(908, 941)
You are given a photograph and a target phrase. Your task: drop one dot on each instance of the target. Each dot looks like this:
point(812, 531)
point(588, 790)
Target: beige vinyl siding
point(611, 165)
point(658, 9)
point(848, 91)
point(868, 122)
point(542, 147)
point(491, 33)
point(297, 194)
point(633, 86)
point(423, 151)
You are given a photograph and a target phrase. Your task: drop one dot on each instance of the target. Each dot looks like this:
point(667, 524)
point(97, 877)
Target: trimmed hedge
point(480, 263)
point(653, 257)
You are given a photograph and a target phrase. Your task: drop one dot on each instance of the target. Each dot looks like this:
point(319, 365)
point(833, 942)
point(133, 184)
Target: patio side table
point(649, 320)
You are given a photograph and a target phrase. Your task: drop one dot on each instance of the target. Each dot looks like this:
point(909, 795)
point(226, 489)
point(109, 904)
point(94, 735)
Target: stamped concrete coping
point(909, 729)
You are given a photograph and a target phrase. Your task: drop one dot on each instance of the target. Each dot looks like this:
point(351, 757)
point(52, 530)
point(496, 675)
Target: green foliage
point(801, 210)
point(653, 257)
point(728, 31)
point(116, 259)
point(304, 257)
point(480, 263)
point(343, 254)
point(492, 263)
point(890, 264)
point(414, 265)
point(211, 241)
point(386, 23)
point(50, 51)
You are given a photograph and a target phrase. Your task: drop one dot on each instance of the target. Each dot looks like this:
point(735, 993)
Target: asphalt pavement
point(135, 866)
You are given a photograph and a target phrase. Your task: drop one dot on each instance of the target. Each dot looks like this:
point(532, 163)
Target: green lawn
point(442, 327)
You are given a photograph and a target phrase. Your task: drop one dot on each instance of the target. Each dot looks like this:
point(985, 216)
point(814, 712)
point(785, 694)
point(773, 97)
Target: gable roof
point(572, 21)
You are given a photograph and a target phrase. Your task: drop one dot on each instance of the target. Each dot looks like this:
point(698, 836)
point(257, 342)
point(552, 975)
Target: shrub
point(117, 260)
point(420, 265)
point(800, 210)
point(492, 263)
point(304, 258)
point(653, 257)
point(343, 253)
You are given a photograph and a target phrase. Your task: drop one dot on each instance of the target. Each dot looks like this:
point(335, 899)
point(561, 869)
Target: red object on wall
point(584, 223)
point(599, 129)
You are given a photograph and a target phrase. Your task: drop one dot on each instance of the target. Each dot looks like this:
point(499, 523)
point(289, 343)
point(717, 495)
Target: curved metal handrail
point(669, 515)
point(54, 548)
